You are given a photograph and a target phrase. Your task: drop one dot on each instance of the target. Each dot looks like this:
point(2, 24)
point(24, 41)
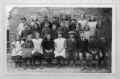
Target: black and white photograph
point(59, 39)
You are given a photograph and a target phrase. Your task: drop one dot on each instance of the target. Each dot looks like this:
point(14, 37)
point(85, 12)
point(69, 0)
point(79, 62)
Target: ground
point(65, 69)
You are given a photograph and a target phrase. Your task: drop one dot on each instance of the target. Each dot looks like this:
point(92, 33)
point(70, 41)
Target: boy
point(71, 47)
point(27, 50)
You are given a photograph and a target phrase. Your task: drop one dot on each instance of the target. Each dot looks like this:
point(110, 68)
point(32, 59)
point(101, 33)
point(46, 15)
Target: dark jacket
point(28, 44)
point(71, 45)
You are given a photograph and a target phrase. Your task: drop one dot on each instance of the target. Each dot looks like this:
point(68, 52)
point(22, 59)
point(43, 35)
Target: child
point(92, 23)
point(54, 31)
point(21, 27)
point(37, 50)
point(63, 29)
point(45, 30)
point(73, 25)
point(71, 47)
point(27, 50)
point(83, 21)
point(60, 48)
point(48, 48)
point(17, 52)
point(35, 26)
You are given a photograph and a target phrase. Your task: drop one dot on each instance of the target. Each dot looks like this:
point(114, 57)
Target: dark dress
point(48, 49)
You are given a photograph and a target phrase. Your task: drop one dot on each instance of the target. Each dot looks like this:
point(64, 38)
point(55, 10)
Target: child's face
point(59, 35)
point(82, 16)
point(48, 37)
point(92, 18)
point(46, 24)
point(73, 21)
point(29, 37)
point(67, 23)
point(37, 35)
point(71, 36)
point(54, 27)
point(61, 24)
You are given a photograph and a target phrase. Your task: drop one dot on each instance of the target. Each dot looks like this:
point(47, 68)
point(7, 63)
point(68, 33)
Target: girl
point(37, 50)
point(17, 52)
point(60, 48)
point(48, 48)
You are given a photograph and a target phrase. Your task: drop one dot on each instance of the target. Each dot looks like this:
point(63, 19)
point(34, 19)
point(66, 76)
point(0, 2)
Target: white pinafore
point(18, 49)
point(92, 26)
point(37, 45)
point(60, 47)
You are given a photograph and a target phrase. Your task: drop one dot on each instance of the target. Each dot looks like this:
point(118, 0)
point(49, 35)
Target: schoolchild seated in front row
point(48, 48)
point(17, 52)
point(71, 48)
point(27, 50)
point(37, 53)
point(59, 52)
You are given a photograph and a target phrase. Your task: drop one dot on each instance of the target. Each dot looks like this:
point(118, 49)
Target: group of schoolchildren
point(63, 40)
